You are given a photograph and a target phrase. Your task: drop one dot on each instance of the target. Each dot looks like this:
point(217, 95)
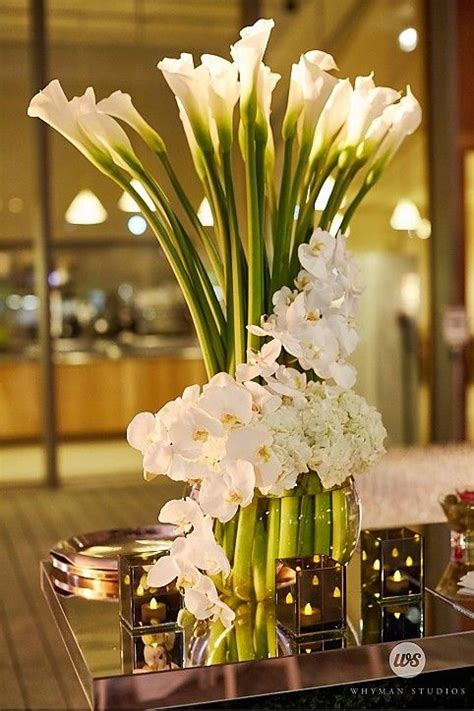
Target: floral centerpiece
point(270, 444)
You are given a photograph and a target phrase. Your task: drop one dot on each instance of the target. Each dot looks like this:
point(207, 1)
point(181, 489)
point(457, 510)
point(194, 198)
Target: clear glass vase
point(307, 521)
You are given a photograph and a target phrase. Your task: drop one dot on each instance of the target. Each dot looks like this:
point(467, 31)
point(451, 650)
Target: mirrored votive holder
point(141, 606)
point(310, 595)
point(391, 621)
point(317, 643)
point(392, 563)
point(161, 650)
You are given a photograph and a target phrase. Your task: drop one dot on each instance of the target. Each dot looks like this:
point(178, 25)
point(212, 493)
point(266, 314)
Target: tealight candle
point(398, 583)
point(310, 615)
point(153, 612)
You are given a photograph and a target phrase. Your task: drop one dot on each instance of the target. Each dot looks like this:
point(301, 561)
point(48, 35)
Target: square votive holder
point(161, 650)
point(392, 563)
point(310, 595)
point(391, 621)
point(317, 643)
point(141, 606)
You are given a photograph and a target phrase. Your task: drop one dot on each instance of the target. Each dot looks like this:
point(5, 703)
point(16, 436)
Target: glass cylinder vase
point(308, 520)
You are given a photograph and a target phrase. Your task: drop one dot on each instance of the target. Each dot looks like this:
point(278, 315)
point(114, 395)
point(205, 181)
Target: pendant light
point(406, 216)
point(86, 209)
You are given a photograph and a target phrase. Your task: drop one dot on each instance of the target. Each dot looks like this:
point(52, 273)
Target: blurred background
point(118, 338)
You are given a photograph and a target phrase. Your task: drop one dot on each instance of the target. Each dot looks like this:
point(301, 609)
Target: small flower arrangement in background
point(273, 300)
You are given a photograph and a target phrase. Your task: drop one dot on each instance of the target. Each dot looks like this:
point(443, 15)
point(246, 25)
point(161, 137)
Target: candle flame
point(289, 599)
point(316, 558)
point(126, 580)
point(308, 610)
point(140, 590)
point(298, 569)
point(397, 615)
point(409, 561)
point(395, 553)
point(308, 651)
point(397, 576)
point(364, 555)
point(337, 592)
point(315, 580)
point(153, 604)
point(376, 565)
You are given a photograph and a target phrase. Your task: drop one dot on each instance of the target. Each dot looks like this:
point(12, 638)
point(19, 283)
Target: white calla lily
point(402, 119)
point(224, 91)
point(367, 102)
point(190, 85)
point(310, 87)
point(333, 117)
point(248, 53)
point(120, 106)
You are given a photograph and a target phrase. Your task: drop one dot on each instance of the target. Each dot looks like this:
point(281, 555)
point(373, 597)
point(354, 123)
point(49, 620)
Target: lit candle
point(153, 612)
point(310, 615)
point(398, 583)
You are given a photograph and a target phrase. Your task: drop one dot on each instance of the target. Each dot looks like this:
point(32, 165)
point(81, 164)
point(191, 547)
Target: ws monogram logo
point(407, 659)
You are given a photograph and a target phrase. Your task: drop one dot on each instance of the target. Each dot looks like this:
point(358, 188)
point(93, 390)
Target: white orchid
point(227, 401)
point(315, 255)
point(184, 513)
point(222, 494)
point(175, 565)
point(142, 431)
point(204, 603)
point(263, 363)
point(254, 445)
point(263, 401)
point(290, 384)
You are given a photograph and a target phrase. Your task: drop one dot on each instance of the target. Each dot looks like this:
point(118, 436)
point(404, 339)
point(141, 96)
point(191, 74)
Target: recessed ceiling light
point(408, 39)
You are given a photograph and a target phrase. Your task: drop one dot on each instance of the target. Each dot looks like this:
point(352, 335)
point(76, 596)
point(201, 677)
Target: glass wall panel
point(21, 457)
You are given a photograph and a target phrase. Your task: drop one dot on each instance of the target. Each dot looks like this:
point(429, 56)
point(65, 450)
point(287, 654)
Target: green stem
point(203, 233)
point(323, 523)
point(244, 633)
point(255, 244)
point(202, 323)
point(232, 652)
point(217, 644)
point(368, 184)
point(306, 526)
point(273, 533)
point(339, 525)
point(242, 570)
point(237, 257)
point(230, 533)
point(260, 633)
point(281, 218)
point(289, 514)
point(259, 560)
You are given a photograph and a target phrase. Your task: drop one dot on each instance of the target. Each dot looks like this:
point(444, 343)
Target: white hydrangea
point(289, 445)
point(344, 432)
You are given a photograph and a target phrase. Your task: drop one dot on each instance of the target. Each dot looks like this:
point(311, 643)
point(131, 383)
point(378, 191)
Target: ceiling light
point(205, 214)
point(128, 204)
point(405, 216)
point(408, 39)
point(324, 194)
point(137, 225)
point(86, 209)
point(423, 231)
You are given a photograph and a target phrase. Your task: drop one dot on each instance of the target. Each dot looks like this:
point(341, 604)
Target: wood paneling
point(94, 398)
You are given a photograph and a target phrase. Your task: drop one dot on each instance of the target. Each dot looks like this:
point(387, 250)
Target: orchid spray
point(272, 296)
